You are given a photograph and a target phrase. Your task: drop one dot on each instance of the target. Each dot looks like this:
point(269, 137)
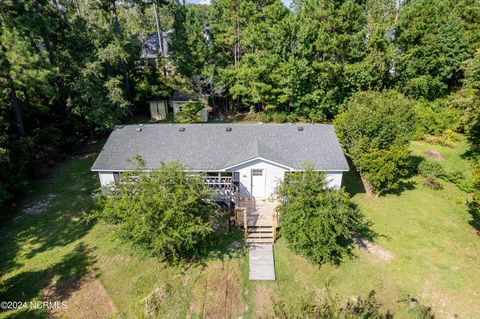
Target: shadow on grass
point(30, 285)
point(471, 154)
point(352, 180)
point(45, 232)
point(474, 211)
point(38, 228)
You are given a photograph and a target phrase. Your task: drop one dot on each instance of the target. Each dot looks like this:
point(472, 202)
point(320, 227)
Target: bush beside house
point(375, 129)
point(166, 212)
point(317, 222)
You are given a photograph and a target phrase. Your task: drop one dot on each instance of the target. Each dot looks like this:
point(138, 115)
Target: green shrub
point(476, 176)
point(189, 113)
point(375, 129)
point(264, 117)
point(292, 117)
point(430, 168)
point(329, 307)
point(251, 116)
point(317, 222)
point(316, 116)
point(279, 117)
point(447, 138)
point(416, 309)
point(166, 212)
point(434, 118)
point(384, 168)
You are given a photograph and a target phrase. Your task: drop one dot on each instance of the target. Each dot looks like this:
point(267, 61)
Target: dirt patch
point(373, 249)
point(263, 301)
point(40, 206)
point(84, 298)
point(434, 154)
point(87, 155)
point(217, 292)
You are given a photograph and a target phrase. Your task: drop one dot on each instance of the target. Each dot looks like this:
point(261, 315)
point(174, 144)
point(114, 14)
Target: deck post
point(245, 224)
point(274, 227)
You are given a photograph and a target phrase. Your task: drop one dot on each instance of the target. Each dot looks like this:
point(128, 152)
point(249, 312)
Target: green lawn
point(426, 248)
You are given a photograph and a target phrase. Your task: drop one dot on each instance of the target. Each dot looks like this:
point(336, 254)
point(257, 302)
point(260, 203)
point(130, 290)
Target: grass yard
point(426, 248)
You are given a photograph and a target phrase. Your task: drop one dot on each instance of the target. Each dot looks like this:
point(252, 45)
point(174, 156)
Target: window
point(116, 176)
point(257, 172)
point(236, 176)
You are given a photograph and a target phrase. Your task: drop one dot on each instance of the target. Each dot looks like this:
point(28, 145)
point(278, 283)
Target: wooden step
point(259, 235)
point(259, 240)
point(259, 231)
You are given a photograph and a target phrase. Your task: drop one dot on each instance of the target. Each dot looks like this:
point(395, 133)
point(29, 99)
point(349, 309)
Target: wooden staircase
point(258, 228)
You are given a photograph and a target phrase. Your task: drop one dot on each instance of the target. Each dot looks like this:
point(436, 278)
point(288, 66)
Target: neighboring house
point(151, 45)
point(239, 160)
point(179, 100)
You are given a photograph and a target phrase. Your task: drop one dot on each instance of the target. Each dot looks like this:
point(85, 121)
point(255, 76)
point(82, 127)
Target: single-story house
point(252, 158)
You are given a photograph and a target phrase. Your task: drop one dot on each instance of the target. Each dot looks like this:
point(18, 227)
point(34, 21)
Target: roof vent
point(138, 129)
point(182, 129)
point(300, 128)
point(228, 129)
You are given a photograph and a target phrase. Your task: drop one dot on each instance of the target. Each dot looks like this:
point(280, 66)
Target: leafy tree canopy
point(317, 221)
point(167, 212)
point(374, 129)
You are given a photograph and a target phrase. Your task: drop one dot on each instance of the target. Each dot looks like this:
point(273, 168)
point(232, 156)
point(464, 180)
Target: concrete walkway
point(261, 265)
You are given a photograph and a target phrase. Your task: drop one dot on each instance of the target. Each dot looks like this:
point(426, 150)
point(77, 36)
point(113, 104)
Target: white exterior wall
point(272, 174)
point(334, 179)
point(106, 178)
point(202, 114)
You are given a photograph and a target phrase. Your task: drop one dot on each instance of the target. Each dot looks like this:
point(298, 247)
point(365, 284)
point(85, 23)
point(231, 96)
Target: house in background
point(159, 108)
point(241, 162)
point(179, 100)
point(153, 45)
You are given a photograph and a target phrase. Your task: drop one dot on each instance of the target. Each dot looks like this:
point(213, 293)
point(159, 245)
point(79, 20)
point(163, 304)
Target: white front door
point(258, 183)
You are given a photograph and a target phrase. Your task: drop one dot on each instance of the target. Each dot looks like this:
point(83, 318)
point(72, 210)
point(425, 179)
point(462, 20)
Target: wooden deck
point(258, 219)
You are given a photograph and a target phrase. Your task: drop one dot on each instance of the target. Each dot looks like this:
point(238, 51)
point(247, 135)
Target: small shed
point(158, 109)
point(179, 100)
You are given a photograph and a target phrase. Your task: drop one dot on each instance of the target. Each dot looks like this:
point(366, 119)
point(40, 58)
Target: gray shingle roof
point(212, 147)
point(182, 97)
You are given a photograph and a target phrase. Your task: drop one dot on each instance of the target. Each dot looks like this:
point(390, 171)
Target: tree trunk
point(79, 11)
point(16, 108)
point(116, 28)
point(116, 22)
point(367, 186)
point(160, 36)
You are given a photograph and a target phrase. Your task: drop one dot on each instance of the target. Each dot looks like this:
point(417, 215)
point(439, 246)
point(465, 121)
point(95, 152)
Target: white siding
point(334, 179)
point(106, 178)
point(202, 114)
point(272, 173)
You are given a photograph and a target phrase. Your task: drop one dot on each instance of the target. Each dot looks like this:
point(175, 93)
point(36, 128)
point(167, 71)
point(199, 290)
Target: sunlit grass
point(435, 253)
